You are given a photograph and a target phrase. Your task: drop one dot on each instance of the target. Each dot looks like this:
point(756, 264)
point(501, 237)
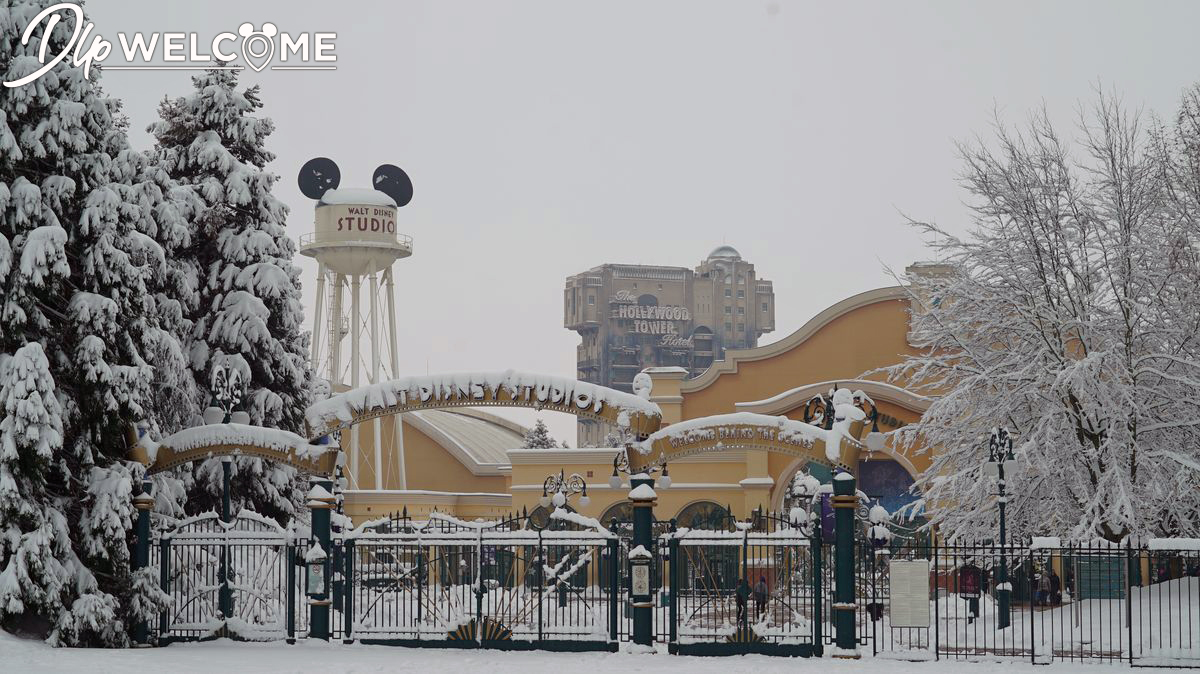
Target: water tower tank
point(355, 232)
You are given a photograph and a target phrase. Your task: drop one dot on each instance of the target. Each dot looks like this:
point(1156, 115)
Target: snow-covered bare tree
point(538, 437)
point(1070, 315)
point(77, 251)
point(247, 312)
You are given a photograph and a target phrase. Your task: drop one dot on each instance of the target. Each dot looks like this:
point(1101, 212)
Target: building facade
point(631, 317)
point(833, 349)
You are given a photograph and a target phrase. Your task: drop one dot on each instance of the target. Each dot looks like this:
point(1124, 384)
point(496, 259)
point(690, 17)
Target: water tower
point(355, 244)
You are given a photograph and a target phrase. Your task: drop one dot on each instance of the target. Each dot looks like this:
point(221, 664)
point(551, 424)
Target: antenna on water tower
point(355, 240)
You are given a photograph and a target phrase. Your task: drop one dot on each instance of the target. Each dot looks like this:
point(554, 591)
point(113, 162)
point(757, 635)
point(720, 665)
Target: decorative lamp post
point(621, 465)
point(556, 489)
point(227, 387)
point(1000, 460)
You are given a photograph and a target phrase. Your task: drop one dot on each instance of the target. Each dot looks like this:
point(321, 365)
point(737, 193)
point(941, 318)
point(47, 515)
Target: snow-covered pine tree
point(538, 437)
point(248, 313)
point(83, 329)
point(1069, 314)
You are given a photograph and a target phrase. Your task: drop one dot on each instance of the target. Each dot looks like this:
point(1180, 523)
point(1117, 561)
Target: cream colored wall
point(362, 506)
point(427, 465)
point(862, 339)
point(714, 477)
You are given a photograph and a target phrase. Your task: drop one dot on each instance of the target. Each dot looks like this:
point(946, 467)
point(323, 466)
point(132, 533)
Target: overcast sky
point(544, 138)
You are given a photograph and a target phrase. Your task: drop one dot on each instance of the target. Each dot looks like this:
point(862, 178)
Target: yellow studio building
point(467, 462)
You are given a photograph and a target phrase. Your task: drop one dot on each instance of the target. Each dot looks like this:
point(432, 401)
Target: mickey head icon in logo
point(321, 174)
point(258, 47)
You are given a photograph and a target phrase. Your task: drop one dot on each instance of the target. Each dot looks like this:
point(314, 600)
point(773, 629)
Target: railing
point(1074, 602)
point(403, 240)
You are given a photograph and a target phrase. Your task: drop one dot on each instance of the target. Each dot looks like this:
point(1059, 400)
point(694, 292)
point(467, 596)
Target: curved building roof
point(725, 253)
point(480, 441)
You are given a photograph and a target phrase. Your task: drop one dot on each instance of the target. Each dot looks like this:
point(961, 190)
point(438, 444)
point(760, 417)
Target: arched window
point(703, 515)
point(539, 518)
point(711, 570)
point(647, 300)
point(621, 511)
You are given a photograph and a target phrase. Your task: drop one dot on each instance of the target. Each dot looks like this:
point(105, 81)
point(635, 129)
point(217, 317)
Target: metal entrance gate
point(504, 585)
point(236, 579)
point(779, 607)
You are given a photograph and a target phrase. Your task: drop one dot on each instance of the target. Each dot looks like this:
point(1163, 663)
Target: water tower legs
point(398, 431)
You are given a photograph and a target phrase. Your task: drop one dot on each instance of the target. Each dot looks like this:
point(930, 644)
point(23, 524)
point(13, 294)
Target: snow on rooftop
point(666, 369)
point(357, 195)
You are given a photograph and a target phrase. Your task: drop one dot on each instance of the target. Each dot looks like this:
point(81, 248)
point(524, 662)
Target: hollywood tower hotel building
point(631, 317)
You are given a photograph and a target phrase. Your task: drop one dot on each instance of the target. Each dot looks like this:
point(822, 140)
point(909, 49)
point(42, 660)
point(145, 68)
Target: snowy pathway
point(225, 657)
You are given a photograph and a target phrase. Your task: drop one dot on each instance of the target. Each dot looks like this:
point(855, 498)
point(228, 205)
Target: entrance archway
point(501, 389)
point(202, 442)
point(835, 447)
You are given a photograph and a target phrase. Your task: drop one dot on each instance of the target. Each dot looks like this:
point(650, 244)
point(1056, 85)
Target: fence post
point(320, 502)
point(937, 595)
point(643, 497)
point(845, 503)
point(291, 591)
point(225, 592)
point(1131, 560)
point(818, 571)
point(164, 581)
point(673, 607)
point(348, 591)
point(540, 574)
point(144, 503)
point(614, 593)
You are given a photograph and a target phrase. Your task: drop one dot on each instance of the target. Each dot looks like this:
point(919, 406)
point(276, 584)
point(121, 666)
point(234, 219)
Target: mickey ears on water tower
point(321, 174)
point(318, 175)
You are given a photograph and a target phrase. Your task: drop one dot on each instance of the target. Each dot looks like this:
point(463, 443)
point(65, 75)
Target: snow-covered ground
point(227, 657)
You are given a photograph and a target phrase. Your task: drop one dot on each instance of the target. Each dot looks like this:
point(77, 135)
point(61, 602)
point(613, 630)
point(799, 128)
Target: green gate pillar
point(144, 502)
point(319, 557)
point(845, 502)
point(641, 558)
point(225, 592)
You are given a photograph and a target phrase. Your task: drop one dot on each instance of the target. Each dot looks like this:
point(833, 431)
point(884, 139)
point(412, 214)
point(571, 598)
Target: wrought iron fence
point(763, 585)
point(1069, 602)
point(508, 584)
point(749, 587)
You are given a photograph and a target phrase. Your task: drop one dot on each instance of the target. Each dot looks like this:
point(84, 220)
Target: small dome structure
point(724, 253)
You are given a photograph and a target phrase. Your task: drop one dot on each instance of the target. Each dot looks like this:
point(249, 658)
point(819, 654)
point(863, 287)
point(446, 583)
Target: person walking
point(743, 594)
point(1055, 588)
point(1043, 591)
point(760, 597)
